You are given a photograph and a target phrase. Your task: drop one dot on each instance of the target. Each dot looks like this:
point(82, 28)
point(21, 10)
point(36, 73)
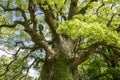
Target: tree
point(64, 32)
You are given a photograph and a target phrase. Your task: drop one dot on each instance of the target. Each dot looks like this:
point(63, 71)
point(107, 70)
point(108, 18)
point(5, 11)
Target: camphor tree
point(65, 32)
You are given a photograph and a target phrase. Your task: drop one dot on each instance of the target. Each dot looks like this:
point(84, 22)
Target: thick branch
point(85, 54)
point(32, 9)
point(73, 9)
point(39, 40)
point(35, 37)
point(49, 18)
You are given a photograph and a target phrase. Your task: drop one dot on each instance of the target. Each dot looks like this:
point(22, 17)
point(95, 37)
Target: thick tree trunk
point(58, 69)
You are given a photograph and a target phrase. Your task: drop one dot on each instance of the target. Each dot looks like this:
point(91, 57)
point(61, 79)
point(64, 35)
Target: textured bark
point(59, 69)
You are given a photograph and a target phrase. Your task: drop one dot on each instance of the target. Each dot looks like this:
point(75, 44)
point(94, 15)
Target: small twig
point(8, 66)
point(20, 42)
point(15, 58)
point(29, 68)
point(6, 51)
point(109, 22)
point(99, 7)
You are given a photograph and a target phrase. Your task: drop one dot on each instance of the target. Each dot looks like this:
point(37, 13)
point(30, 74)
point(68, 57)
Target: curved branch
point(15, 9)
point(12, 25)
point(84, 55)
point(35, 37)
point(49, 18)
point(39, 40)
point(97, 11)
point(20, 42)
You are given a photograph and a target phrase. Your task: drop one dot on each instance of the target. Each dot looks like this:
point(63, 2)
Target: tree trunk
point(58, 69)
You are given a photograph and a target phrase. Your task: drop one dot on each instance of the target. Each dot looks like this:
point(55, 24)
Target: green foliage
point(99, 23)
point(13, 71)
point(2, 20)
point(96, 68)
point(92, 31)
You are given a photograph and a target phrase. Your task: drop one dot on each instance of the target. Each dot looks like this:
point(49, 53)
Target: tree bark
point(59, 69)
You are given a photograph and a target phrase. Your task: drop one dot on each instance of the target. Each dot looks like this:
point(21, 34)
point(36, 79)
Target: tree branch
point(29, 68)
point(73, 9)
point(20, 42)
point(8, 66)
point(97, 11)
point(85, 54)
point(109, 22)
point(104, 55)
point(15, 9)
point(12, 25)
point(61, 13)
point(35, 37)
point(116, 50)
point(32, 9)
point(83, 10)
point(39, 40)
point(15, 58)
point(49, 18)
point(16, 75)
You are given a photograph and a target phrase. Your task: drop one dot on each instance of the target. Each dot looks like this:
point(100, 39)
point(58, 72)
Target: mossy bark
point(57, 69)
